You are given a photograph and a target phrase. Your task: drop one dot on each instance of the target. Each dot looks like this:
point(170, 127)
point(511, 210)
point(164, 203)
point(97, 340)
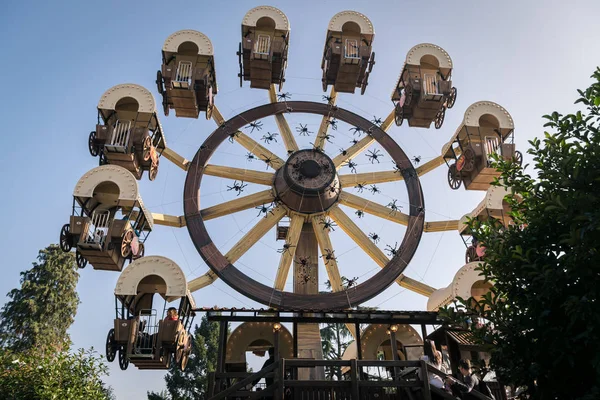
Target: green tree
point(40, 312)
point(43, 375)
point(192, 384)
point(541, 319)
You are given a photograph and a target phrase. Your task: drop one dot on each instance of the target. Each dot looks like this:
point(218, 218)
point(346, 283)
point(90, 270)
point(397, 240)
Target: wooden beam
point(362, 144)
point(217, 116)
point(176, 159)
point(441, 226)
point(202, 281)
point(250, 144)
point(372, 208)
point(284, 127)
point(415, 286)
point(331, 266)
point(255, 234)
point(430, 165)
point(370, 178)
point(246, 175)
point(169, 220)
point(324, 127)
point(353, 150)
point(359, 237)
point(259, 151)
point(356, 234)
point(238, 204)
point(287, 256)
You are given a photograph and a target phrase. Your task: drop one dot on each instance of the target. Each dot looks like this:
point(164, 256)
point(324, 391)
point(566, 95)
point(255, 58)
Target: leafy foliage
point(192, 384)
point(542, 315)
point(42, 375)
point(40, 312)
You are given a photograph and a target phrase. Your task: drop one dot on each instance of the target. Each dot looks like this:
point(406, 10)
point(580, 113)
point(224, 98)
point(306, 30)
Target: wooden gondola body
point(263, 51)
point(187, 79)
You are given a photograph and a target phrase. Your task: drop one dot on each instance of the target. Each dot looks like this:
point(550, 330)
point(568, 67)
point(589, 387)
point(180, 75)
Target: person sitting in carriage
point(172, 314)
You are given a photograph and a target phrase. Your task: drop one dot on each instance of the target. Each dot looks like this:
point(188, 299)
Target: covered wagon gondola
point(187, 79)
point(487, 130)
point(109, 223)
point(467, 282)
point(424, 89)
point(128, 132)
point(492, 206)
point(348, 57)
point(263, 51)
point(140, 334)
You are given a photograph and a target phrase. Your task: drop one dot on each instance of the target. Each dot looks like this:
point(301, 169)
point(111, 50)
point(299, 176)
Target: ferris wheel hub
point(308, 182)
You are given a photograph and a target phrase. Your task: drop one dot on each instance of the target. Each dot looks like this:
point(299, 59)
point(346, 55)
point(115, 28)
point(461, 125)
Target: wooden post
point(354, 378)
point(276, 344)
point(306, 281)
point(281, 380)
point(358, 343)
point(424, 334)
point(222, 346)
point(295, 339)
point(425, 377)
point(394, 351)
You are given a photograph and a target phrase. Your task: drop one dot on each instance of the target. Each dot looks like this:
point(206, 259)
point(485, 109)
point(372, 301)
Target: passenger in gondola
point(172, 314)
point(470, 381)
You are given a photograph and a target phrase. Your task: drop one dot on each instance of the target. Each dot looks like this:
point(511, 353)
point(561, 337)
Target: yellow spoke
point(284, 127)
point(236, 205)
point(331, 266)
point(176, 159)
point(372, 208)
point(246, 175)
point(255, 234)
point(202, 281)
point(250, 144)
point(370, 178)
point(324, 127)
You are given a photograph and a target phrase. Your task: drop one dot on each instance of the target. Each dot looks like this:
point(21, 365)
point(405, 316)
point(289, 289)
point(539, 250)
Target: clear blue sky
point(59, 57)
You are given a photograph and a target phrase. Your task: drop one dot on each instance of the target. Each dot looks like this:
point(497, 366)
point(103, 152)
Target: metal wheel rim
point(110, 346)
point(65, 238)
point(451, 98)
point(147, 146)
point(454, 179)
point(439, 118)
point(81, 260)
point(92, 144)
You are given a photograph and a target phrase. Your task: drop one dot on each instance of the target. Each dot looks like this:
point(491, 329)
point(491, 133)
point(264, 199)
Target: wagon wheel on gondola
point(179, 346)
point(159, 82)
point(398, 114)
point(81, 260)
point(454, 177)
point(307, 184)
point(371, 62)
point(408, 94)
point(141, 250)
point(165, 104)
point(102, 160)
point(365, 82)
point(240, 55)
point(451, 98)
point(111, 346)
point(92, 145)
point(153, 170)
point(66, 242)
point(123, 359)
point(126, 244)
point(186, 352)
point(469, 159)
point(211, 102)
point(439, 118)
point(147, 148)
point(518, 157)
point(471, 255)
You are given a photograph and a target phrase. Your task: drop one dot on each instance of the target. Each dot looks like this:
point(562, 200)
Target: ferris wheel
point(298, 192)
